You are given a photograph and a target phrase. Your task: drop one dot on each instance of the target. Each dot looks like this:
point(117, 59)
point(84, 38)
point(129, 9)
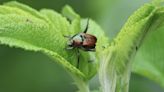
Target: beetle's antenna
point(86, 29)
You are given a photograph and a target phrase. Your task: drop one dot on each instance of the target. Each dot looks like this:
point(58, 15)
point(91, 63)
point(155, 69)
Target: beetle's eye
point(81, 36)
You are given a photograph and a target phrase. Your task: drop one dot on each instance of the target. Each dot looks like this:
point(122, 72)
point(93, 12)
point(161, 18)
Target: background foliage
point(23, 71)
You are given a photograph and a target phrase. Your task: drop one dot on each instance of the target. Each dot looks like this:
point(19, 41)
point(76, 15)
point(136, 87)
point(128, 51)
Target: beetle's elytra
point(83, 41)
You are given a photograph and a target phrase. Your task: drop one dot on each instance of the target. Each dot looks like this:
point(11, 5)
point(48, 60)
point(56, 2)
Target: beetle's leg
point(86, 29)
point(69, 48)
point(88, 49)
point(78, 58)
point(92, 49)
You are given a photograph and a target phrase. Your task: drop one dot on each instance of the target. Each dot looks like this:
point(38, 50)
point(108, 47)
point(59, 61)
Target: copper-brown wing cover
point(89, 41)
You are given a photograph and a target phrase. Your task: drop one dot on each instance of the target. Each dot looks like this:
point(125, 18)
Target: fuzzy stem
point(82, 84)
point(107, 78)
point(110, 79)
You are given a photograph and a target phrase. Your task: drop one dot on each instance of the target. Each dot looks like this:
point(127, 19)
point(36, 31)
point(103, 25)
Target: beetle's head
point(70, 43)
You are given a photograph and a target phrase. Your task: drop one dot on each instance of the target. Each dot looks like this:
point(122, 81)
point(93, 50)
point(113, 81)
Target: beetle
point(83, 41)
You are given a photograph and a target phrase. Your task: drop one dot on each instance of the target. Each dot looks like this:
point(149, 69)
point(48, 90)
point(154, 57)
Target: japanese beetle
point(83, 41)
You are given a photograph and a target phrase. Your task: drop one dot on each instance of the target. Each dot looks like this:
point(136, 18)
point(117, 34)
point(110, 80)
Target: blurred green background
point(24, 71)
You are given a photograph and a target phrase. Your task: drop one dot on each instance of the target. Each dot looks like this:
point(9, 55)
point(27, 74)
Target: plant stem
point(110, 79)
point(124, 79)
point(114, 73)
point(82, 85)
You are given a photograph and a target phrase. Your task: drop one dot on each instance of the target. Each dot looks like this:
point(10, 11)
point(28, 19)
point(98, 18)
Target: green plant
point(26, 28)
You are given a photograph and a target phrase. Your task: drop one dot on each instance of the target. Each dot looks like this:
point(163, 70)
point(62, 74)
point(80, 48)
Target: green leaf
point(115, 67)
point(132, 34)
point(68, 12)
point(149, 60)
point(24, 27)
